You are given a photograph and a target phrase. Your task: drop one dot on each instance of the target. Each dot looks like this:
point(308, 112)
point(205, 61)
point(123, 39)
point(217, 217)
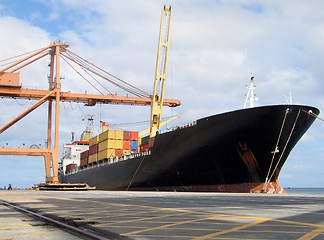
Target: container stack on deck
point(110, 144)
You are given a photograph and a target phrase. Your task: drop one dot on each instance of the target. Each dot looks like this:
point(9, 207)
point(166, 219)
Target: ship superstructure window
point(66, 152)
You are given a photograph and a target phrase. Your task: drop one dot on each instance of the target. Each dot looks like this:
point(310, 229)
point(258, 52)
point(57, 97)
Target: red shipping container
point(83, 161)
point(118, 152)
point(93, 149)
point(84, 154)
point(134, 136)
point(71, 166)
point(126, 145)
point(127, 135)
point(144, 147)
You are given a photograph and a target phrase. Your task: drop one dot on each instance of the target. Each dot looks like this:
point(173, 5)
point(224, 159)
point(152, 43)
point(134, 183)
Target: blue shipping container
point(134, 145)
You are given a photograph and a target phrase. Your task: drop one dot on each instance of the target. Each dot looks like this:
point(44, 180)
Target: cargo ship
point(238, 151)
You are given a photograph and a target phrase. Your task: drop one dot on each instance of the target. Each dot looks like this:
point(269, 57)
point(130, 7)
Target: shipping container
point(145, 140)
point(83, 161)
point(93, 149)
point(111, 134)
point(93, 158)
point(71, 166)
point(127, 135)
point(103, 136)
point(94, 140)
point(119, 152)
point(111, 143)
point(106, 153)
point(144, 147)
point(119, 134)
point(127, 145)
point(134, 136)
point(134, 145)
point(84, 154)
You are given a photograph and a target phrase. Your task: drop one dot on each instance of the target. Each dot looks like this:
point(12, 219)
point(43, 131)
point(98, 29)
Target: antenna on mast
point(250, 96)
point(89, 131)
point(290, 98)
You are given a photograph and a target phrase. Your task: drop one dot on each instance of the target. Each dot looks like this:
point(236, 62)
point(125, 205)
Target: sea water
point(305, 190)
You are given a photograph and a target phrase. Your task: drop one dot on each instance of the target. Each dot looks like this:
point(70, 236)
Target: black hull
point(231, 152)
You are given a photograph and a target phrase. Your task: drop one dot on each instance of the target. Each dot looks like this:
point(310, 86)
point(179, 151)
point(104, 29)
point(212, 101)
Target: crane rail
point(88, 234)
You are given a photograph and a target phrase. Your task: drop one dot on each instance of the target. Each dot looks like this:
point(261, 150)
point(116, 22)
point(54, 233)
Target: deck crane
point(10, 87)
point(160, 71)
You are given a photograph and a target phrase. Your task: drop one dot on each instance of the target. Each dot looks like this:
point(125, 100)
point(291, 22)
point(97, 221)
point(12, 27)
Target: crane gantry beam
point(88, 99)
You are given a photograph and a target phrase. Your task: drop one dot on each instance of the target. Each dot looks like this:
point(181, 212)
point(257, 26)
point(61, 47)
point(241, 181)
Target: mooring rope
point(284, 149)
point(313, 114)
point(131, 181)
point(276, 148)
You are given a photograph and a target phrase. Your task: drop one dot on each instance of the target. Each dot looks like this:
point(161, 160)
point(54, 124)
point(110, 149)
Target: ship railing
point(191, 124)
point(109, 161)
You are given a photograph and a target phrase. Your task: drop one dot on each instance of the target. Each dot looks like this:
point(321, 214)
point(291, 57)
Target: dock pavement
point(164, 215)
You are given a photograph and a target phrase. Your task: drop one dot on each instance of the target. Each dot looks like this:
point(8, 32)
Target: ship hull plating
point(239, 151)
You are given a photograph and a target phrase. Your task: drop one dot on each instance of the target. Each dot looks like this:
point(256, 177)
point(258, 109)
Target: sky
point(215, 46)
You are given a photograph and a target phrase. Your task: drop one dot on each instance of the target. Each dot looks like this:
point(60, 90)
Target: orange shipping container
point(118, 152)
point(134, 136)
point(127, 145)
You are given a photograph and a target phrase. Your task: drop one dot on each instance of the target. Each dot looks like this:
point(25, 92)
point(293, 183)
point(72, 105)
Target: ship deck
point(165, 215)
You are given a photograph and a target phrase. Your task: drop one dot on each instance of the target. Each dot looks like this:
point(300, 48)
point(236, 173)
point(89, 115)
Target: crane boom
point(160, 71)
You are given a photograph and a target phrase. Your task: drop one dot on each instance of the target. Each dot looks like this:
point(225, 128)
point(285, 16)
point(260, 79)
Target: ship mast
point(250, 96)
point(89, 131)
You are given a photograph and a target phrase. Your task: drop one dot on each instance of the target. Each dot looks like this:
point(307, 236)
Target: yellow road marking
point(235, 229)
point(214, 216)
point(312, 234)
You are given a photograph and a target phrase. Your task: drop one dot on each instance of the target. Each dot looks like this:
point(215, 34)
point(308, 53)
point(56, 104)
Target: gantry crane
point(10, 87)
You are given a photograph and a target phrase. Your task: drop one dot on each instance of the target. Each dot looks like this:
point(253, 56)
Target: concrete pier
point(172, 215)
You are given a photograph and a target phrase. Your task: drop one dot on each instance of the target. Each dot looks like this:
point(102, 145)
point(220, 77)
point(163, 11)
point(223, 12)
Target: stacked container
point(111, 144)
point(84, 158)
point(93, 149)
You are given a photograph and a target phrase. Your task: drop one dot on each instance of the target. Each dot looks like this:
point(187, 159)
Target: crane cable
point(82, 75)
point(85, 66)
point(106, 75)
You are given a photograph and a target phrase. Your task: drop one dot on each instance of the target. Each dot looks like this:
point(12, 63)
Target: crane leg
point(47, 160)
